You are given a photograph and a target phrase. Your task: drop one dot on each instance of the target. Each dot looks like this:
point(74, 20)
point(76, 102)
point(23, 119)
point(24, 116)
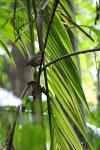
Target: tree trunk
point(19, 76)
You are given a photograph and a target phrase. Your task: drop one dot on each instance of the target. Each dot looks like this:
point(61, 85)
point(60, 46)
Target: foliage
point(64, 90)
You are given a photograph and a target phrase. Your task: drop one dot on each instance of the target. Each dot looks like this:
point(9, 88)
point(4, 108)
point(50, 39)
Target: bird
point(34, 61)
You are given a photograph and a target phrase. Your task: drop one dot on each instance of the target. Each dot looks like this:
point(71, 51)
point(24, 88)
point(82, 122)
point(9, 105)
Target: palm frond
point(64, 82)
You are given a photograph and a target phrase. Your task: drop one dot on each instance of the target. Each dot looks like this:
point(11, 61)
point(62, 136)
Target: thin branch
point(29, 9)
point(15, 6)
point(70, 20)
point(48, 99)
point(20, 34)
point(34, 8)
point(54, 7)
point(97, 12)
point(10, 137)
point(69, 55)
point(45, 4)
point(55, 4)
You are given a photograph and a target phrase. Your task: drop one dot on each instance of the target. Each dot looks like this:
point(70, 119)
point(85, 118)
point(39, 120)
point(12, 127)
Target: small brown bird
point(35, 60)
